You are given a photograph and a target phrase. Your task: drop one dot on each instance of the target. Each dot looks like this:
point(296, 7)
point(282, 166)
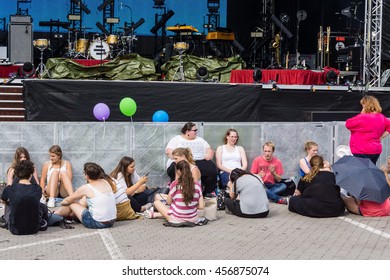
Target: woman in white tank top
point(230, 156)
point(93, 203)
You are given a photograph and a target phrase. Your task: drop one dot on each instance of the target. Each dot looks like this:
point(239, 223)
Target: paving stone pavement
point(281, 236)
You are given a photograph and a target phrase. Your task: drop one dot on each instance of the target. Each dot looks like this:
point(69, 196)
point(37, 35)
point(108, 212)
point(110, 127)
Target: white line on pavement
point(48, 241)
point(112, 247)
point(366, 227)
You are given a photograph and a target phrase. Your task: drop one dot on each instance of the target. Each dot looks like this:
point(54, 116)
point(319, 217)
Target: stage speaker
point(20, 39)
point(328, 116)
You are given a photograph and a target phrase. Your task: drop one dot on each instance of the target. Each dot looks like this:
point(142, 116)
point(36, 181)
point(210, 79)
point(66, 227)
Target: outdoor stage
point(74, 100)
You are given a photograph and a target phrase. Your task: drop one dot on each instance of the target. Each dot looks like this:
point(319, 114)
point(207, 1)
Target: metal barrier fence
point(106, 143)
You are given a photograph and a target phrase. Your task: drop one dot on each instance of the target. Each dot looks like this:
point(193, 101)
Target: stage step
point(11, 104)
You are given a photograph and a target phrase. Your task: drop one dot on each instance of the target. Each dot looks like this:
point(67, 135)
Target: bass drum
point(99, 50)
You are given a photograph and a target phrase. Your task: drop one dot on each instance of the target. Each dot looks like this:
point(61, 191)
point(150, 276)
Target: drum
point(180, 46)
point(99, 50)
point(41, 43)
point(82, 45)
point(112, 39)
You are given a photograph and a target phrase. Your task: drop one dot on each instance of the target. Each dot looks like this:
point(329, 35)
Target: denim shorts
point(89, 222)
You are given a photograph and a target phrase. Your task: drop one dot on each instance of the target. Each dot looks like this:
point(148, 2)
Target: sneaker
point(43, 200)
point(51, 203)
point(282, 200)
point(149, 213)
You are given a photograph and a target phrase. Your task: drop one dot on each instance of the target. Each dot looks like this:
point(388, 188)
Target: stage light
point(213, 6)
point(202, 74)
point(331, 77)
point(102, 28)
point(159, 2)
point(105, 4)
point(133, 27)
point(162, 21)
point(82, 6)
point(26, 71)
point(257, 75)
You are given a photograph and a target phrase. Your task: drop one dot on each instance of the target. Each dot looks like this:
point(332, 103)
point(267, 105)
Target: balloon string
point(132, 136)
point(104, 127)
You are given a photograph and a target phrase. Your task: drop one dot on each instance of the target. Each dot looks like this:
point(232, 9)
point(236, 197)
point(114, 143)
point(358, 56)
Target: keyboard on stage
point(182, 28)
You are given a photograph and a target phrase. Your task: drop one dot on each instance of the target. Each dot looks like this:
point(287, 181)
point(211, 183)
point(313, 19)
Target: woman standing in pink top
point(368, 129)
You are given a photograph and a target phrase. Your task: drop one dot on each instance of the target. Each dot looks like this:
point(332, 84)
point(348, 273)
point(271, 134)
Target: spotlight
point(202, 74)
point(331, 77)
point(275, 86)
point(257, 75)
point(26, 71)
point(159, 3)
point(213, 6)
point(105, 4)
point(162, 21)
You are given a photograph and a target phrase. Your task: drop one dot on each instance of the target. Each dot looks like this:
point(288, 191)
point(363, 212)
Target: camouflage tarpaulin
point(218, 68)
point(128, 67)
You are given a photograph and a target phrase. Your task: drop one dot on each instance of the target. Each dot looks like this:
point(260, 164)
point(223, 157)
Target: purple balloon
point(101, 111)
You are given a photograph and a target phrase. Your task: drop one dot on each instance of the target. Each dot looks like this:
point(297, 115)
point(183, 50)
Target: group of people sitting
point(123, 194)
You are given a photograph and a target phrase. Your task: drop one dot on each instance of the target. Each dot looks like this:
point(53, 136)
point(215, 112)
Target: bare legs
point(351, 205)
point(65, 187)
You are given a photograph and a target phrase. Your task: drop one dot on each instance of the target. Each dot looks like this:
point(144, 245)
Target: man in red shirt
point(270, 169)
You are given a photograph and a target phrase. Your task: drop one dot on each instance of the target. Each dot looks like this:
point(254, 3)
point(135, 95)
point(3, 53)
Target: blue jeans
point(272, 190)
point(90, 222)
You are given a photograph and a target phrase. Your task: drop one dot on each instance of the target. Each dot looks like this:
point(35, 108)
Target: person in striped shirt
point(183, 200)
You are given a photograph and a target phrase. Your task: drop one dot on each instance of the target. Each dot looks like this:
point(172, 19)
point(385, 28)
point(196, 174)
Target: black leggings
point(208, 172)
point(137, 201)
point(234, 207)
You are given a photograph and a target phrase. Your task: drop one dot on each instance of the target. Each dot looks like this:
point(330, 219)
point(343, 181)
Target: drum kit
point(101, 47)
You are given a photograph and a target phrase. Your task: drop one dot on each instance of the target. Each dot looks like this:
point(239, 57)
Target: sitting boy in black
point(22, 198)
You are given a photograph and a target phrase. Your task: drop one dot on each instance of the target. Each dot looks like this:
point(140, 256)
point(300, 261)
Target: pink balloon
point(101, 111)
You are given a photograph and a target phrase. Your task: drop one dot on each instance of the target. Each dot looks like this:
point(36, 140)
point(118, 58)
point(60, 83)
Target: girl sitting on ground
point(93, 203)
point(248, 198)
point(317, 194)
point(180, 154)
point(56, 178)
point(183, 200)
point(127, 177)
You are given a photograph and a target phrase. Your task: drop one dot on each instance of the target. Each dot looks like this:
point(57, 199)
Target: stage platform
point(74, 100)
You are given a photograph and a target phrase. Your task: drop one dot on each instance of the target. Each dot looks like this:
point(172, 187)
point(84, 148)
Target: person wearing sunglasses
point(202, 154)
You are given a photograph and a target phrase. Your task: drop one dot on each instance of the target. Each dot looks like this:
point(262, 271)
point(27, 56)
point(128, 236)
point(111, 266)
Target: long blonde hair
point(184, 152)
point(316, 163)
point(186, 181)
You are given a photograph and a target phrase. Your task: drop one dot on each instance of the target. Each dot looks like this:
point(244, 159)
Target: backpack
point(43, 216)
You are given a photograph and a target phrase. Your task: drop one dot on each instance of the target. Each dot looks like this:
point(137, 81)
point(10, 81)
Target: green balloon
point(128, 106)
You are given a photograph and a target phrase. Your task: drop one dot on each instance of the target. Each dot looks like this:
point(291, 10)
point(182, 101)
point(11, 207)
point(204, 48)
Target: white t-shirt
point(198, 146)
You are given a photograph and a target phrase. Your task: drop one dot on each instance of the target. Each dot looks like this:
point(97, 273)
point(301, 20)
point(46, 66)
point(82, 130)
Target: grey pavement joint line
point(366, 227)
point(112, 247)
point(48, 241)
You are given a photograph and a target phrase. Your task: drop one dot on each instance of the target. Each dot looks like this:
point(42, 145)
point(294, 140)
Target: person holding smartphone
point(135, 185)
